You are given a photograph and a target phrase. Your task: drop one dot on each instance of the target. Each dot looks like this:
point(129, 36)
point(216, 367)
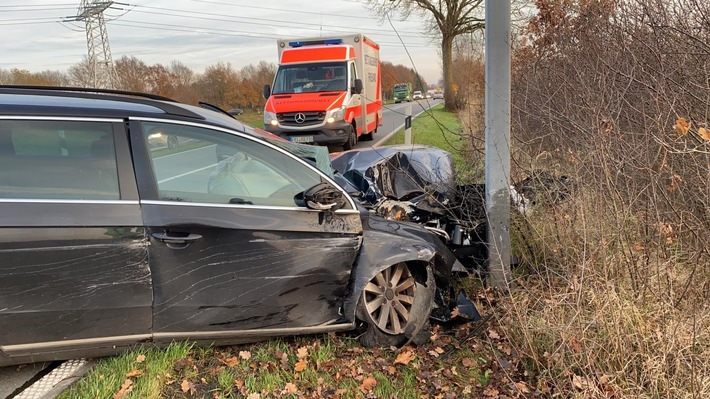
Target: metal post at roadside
point(498, 142)
point(408, 124)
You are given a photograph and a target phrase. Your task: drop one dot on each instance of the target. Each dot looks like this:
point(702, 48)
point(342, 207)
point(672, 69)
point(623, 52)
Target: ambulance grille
point(302, 118)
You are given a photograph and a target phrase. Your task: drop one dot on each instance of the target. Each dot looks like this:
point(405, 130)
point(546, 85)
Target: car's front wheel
point(395, 306)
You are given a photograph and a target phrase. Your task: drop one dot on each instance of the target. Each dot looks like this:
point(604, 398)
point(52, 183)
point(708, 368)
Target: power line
point(290, 10)
point(29, 23)
point(72, 5)
point(221, 17)
point(245, 20)
point(214, 31)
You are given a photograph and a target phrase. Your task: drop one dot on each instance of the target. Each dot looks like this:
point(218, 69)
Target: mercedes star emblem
point(300, 117)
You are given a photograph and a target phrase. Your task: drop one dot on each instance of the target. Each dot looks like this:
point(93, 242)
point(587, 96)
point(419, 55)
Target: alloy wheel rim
point(388, 298)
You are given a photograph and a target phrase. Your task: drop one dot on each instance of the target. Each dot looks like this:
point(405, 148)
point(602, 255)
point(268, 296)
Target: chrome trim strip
point(116, 340)
point(323, 328)
point(69, 201)
point(62, 118)
point(253, 138)
point(240, 206)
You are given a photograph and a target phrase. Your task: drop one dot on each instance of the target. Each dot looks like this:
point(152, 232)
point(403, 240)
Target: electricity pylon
point(103, 73)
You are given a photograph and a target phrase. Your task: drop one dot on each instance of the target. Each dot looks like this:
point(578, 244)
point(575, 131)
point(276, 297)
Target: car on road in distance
point(418, 95)
point(438, 95)
point(234, 236)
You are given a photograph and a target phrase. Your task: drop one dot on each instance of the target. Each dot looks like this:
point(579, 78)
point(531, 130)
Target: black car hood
point(400, 172)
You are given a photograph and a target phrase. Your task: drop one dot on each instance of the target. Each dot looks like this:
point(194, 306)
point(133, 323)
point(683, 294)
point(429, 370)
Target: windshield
point(400, 87)
point(313, 77)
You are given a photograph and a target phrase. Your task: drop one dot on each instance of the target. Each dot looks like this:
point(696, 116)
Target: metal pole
point(498, 142)
point(408, 124)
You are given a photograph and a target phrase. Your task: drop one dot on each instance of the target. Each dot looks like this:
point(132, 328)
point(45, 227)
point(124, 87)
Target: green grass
point(439, 128)
point(107, 377)
point(252, 118)
point(333, 363)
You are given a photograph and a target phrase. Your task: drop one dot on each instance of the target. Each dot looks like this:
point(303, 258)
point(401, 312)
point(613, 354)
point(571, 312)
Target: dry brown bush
point(614, 289)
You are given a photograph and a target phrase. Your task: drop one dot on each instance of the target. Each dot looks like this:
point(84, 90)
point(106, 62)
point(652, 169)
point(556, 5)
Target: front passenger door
point(231, 248)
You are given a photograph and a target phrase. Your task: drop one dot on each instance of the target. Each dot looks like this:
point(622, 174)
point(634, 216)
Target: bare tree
point(131, 73)
point(80, 74)
point(451, 18)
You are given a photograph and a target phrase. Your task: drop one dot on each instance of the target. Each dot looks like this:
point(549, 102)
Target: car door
point(356, 103)
point(232, 250)
point(73, 253)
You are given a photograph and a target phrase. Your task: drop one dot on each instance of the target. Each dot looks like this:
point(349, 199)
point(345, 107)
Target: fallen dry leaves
point(230, 361)
point(367, 384)
point(134, 373)
point(300, 365)
point(126, 388)
point(405, 357)
point(468, 360)
point(187, 387)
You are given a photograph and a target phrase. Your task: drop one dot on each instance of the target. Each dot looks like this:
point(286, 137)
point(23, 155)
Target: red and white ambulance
point(327, 90)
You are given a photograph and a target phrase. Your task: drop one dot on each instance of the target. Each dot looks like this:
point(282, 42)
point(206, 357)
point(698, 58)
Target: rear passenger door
point(73, 252)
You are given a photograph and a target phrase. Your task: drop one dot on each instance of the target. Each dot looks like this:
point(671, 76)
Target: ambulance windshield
point(311, 77)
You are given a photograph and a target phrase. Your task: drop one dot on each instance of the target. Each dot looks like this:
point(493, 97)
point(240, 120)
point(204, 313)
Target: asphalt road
point(393, 119)
point(175, 173)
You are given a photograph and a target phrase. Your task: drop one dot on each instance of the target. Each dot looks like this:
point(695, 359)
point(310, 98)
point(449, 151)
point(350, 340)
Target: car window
point(194, 164)
point(57, 160)
point(353, 75)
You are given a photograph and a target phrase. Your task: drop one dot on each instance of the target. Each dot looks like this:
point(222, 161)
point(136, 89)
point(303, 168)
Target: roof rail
point(90, 90)
point(103, 94)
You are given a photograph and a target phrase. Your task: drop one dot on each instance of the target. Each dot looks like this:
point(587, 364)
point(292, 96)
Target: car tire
point(395, 307)
point(352, 139)
point(172, 142)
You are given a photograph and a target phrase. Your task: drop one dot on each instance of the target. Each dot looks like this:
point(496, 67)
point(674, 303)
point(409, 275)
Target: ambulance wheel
point(352, 139)
point(371, 136)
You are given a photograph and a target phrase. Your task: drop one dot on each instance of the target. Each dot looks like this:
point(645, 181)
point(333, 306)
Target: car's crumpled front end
point(416, 183)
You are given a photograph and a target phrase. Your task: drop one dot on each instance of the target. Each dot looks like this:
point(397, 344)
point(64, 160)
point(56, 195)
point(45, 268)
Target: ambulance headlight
point(337, 114)
point(270, 118)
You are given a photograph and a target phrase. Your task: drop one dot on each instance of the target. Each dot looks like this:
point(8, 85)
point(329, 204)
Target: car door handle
point(170, 239)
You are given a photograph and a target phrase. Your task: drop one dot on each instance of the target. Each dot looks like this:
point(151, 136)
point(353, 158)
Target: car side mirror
point(266, 91)
point(357, 89)
point(323, 197)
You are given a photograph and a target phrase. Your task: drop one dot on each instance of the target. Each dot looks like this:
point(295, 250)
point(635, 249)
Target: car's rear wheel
point(395, 307)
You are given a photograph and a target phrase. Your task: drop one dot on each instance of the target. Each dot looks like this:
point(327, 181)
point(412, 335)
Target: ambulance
point(326, 91)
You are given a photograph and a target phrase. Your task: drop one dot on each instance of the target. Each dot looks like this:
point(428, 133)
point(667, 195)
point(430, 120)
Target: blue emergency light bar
point(315, 42)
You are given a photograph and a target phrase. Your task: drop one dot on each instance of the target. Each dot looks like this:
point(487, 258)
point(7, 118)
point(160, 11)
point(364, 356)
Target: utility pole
point(498, 142)
point(103, 73)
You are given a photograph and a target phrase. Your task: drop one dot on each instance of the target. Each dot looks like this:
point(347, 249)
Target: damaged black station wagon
point(111, 236)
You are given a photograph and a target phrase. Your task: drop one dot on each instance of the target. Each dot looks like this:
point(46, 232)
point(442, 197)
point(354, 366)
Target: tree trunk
point(447, 45)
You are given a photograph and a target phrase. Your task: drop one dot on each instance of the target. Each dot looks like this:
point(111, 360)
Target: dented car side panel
point(251, 269)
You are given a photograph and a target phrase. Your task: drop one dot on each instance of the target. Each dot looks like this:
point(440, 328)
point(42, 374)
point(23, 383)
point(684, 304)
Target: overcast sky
point(39, 35)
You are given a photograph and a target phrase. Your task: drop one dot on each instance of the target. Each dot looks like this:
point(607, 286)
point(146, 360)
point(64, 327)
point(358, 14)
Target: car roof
point(83, 102)
point(102, 103)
